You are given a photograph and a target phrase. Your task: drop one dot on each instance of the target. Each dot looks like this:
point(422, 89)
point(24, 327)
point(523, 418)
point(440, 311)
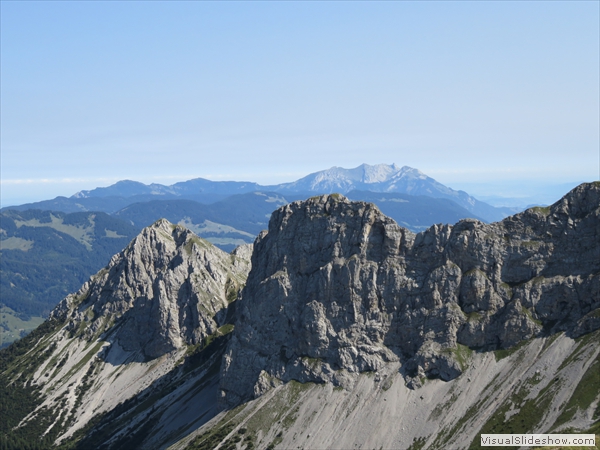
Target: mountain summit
point(387, 178)
point(168, 288)
point(340, 180)
point(133, 328)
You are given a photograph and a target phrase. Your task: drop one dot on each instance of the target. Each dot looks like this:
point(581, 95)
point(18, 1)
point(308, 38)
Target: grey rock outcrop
point(168, 288)
point(337, 288)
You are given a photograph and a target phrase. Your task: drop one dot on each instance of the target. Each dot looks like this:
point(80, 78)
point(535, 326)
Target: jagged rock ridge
point(168, 288)
point(337, 288)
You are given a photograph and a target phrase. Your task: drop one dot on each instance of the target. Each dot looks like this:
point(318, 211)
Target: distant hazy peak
point(339, 179)
point(124, 188)
point(364, 173)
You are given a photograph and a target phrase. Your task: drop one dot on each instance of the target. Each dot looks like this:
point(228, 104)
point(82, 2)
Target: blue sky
point(468, 92)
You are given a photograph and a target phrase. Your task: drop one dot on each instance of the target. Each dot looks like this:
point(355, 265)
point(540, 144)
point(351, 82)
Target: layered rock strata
point(337, 288)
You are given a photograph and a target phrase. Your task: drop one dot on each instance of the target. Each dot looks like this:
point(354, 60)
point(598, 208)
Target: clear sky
point(467, 92)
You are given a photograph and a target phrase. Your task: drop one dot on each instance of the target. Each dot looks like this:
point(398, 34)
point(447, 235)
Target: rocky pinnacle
point(168, 288)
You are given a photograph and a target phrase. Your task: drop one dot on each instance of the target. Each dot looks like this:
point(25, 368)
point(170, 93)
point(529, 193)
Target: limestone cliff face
point(337, 288)
point(167, 289)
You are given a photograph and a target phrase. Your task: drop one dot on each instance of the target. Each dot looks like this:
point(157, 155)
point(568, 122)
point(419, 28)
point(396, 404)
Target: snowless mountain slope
point(546, 385)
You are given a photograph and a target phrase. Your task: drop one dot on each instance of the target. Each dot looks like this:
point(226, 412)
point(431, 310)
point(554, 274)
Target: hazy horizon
point(517, 192)
point(490, 97)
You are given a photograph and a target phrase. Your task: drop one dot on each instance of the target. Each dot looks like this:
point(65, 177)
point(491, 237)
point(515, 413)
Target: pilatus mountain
point(337, 328)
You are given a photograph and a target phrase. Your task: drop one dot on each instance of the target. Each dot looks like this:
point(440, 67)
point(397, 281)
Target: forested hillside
point(46, 255)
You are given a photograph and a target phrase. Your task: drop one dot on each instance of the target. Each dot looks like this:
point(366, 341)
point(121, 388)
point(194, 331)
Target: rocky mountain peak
point(337, 288)
point(580, 201)
point(166, 289)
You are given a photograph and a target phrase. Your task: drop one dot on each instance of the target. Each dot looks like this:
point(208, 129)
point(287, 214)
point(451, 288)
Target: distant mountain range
point(378, 178)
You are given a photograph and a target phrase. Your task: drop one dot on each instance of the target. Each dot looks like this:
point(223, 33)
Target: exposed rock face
point(167, 289)
point(338, 288)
